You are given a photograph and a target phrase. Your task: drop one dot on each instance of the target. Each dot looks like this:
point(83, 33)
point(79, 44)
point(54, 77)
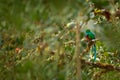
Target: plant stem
point(78, 62)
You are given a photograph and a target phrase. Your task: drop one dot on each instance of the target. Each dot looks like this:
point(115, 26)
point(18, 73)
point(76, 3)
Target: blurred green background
point(30, 50)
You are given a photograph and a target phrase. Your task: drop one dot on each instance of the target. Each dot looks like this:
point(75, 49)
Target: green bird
point(90, 37)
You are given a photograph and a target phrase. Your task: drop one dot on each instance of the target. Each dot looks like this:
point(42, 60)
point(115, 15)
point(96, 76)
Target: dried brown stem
point(108, 67)
point(98, 74)
point(78, 62)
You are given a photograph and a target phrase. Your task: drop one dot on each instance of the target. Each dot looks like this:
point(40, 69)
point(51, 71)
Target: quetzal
point(90, 38)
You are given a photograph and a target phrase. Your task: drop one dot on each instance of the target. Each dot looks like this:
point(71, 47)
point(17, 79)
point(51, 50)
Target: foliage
point(36, 42)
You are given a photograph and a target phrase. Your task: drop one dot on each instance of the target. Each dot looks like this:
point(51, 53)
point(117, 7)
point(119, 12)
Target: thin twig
point(100, 65)
point(78, 63)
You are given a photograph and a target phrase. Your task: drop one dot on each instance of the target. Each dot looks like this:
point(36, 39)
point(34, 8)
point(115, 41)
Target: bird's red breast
point(87, 38)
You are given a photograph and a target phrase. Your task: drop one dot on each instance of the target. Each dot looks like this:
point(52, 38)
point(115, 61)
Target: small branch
point(69, 42)
point(78, 62)
point(108, 67)
point(98, 74)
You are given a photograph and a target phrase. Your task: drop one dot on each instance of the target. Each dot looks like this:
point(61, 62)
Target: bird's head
point(88, 30)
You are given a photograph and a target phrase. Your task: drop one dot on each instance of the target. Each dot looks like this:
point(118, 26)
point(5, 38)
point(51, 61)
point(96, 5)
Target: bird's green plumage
point(95, 53)
point(90, 37)
point(90, 34)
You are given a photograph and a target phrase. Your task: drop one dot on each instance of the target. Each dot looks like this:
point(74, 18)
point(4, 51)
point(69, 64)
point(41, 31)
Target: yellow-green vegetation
point(42, 39)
